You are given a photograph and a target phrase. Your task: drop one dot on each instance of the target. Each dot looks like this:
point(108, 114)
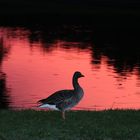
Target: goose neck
point(75, 83)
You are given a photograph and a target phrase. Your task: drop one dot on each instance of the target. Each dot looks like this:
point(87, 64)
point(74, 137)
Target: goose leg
point(63, 115)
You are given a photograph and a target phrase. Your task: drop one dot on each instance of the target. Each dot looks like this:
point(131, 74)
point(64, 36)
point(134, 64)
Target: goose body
point(64, 99)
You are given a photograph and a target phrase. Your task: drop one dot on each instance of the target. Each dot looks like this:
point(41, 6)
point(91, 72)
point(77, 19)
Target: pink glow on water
point(34, 73)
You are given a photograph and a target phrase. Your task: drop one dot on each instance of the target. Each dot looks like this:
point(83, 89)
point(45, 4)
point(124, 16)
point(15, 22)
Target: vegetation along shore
point(79, 125)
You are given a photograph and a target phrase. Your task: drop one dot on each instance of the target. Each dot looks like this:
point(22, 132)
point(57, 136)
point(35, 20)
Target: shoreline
point(36, 125)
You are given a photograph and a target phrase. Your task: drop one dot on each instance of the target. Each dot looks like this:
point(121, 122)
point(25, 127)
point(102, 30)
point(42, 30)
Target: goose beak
point(82, 76)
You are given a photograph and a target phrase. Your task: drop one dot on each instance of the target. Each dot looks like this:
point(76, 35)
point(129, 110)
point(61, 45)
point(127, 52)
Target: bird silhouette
point(64, 99)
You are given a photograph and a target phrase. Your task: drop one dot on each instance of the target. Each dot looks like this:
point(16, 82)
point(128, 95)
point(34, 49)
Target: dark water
point(36, 61)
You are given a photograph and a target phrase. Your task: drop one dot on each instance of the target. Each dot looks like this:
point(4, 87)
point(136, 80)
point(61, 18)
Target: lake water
point(34, 63)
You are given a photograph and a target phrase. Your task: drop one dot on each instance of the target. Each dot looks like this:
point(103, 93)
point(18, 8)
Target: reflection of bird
point(64, 99)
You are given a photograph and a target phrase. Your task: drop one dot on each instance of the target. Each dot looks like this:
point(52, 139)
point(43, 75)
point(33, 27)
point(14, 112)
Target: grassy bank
point(79, 125)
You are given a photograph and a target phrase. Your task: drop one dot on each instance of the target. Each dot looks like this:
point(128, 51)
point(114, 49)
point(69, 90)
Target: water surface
point(36, 63)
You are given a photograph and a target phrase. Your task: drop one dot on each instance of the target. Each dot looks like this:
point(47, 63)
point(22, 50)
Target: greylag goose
point(64, 99)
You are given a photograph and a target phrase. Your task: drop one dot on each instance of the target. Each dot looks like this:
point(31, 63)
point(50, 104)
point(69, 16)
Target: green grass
point(79, 125)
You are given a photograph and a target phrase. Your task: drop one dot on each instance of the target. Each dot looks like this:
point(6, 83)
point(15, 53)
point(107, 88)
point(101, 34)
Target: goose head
point(77, 75)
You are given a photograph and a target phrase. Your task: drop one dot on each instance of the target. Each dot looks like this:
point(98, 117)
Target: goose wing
point(58, 97)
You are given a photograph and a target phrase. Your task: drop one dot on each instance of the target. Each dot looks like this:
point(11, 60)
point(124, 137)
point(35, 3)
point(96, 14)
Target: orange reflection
point(34, 73)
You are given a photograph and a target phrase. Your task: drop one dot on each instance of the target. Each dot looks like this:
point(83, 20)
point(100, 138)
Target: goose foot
point(63, 115)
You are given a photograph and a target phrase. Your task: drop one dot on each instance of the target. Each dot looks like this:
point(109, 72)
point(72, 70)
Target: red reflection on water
point(33, 73)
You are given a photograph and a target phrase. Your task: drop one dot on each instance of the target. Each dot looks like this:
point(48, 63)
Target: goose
point(63, 100)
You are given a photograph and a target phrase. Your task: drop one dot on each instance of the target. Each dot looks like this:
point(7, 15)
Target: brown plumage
point(64, 99)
